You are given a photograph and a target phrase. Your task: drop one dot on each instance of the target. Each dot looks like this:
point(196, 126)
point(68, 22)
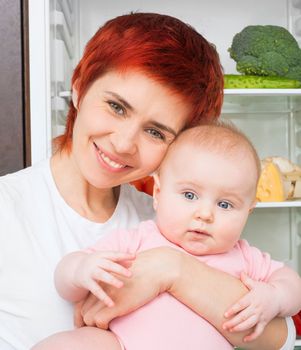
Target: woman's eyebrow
point(121, 100)
point(164, 127)
point(131, 108)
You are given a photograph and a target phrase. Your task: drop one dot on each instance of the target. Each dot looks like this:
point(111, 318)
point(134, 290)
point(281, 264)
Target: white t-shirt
point(37, 228)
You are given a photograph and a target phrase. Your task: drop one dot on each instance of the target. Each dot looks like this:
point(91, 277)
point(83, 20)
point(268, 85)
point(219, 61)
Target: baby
point(203, 193)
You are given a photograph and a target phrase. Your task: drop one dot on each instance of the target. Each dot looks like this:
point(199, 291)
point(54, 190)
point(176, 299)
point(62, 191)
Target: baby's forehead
point(227, 148)
point(221, 139)
point(225, 156)
point(228, 171)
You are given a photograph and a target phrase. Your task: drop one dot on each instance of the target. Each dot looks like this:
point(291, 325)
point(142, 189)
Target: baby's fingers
point(242, 304)
point(257, 332)
point(118, 256)
point(241, 323)
point(100, 294)
point(101, 275)
point(114, 267)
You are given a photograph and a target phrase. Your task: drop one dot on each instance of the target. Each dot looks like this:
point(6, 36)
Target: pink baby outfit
point(165, 323)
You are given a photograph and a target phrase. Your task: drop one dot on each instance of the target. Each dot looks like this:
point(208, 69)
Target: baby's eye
point(156, 134)
point(190, 196)
point(117, 108)
point(225, 205)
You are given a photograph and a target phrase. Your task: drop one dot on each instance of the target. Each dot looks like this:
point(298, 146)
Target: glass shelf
point(244, 92)
point(263, 92)
point(258, 101)
point(286, 204)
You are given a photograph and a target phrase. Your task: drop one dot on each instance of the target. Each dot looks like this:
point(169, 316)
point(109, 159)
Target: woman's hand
point(153, 272)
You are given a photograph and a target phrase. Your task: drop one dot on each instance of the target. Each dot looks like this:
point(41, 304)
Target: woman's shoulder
point(22, 181)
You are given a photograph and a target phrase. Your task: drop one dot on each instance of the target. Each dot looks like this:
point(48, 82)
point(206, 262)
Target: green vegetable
point(233, 81)
point(266, 51)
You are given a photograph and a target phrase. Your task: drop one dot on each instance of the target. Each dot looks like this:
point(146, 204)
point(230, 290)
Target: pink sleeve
point(259, 265)
point(118, 240)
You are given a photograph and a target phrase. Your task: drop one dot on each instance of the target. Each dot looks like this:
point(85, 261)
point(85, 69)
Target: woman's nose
point(205, 213)
point(124, 141)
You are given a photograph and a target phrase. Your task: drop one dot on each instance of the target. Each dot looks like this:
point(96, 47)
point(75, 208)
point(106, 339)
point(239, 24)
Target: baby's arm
point(279, 296)
point(79, 272)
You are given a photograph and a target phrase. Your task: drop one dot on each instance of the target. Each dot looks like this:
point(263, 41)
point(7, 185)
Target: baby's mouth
point(200, 232)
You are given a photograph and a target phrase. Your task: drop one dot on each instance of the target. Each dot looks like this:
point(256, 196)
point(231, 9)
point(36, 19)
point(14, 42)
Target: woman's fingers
point(77, 314)
point(90, 314)
point(90, 303)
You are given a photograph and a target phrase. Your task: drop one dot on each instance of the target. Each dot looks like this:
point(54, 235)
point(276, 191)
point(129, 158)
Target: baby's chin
point(196, 248)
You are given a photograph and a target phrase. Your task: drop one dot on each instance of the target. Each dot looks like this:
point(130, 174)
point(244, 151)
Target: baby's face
point(204, 199)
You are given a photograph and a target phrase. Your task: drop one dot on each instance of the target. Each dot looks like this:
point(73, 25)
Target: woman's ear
point(74, 96)
point(156, 190)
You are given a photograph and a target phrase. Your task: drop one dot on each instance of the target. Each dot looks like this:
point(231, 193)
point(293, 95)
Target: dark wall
point(13, 72)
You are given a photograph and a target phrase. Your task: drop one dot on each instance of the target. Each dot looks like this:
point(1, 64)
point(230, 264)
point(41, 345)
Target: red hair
point(164, 48)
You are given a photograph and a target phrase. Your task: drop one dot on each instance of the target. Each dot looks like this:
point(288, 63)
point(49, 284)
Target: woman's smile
point(110, 162)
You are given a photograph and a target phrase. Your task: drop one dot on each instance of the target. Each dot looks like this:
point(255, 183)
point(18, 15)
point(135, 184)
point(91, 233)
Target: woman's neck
point(92, 203)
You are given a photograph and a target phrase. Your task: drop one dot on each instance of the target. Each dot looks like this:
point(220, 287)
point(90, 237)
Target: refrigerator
point(59, 30)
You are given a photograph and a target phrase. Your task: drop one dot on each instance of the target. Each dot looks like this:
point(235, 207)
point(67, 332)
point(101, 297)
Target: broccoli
point(266, 50)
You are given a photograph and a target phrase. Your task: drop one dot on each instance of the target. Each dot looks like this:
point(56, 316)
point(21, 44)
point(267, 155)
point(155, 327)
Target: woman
point(142, 79)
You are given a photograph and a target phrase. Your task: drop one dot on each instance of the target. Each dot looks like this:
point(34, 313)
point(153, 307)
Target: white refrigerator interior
point(59, 30)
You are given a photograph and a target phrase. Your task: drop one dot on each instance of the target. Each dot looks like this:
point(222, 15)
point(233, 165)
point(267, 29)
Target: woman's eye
point(190, 196)
point(156, 134)
point(117, 108)
point(225, 205)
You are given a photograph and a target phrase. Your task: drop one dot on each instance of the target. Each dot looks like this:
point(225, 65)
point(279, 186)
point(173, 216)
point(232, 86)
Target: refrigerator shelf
point(255, 92)
point(263, 92)
point(287, 204)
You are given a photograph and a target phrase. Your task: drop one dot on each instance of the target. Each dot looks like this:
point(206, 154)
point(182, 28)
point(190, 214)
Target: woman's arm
point(277, 297)
point(209, 292)
point(206, 291)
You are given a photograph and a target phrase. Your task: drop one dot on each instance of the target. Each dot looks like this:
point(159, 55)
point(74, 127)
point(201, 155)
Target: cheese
point(285, 165)
point(270, 185)
point(297, 189)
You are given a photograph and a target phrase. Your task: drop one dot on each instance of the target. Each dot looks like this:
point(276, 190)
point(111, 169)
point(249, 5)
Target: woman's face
point(124, 125)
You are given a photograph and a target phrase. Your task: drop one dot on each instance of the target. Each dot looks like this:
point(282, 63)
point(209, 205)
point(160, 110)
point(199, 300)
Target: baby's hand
point(255, 309)
point(100, 267)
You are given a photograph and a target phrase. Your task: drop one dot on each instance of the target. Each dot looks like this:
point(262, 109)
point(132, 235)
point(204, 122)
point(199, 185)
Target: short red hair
point(164, 48)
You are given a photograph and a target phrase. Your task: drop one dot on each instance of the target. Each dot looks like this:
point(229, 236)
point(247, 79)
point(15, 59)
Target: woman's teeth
point(110, 162)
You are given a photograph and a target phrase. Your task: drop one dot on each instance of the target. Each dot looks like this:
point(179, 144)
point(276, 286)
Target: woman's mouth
point(108, 161)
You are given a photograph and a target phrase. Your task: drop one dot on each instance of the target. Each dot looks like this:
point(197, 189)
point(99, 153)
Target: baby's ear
point(156, 190)
point(253, 206)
